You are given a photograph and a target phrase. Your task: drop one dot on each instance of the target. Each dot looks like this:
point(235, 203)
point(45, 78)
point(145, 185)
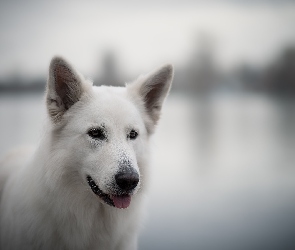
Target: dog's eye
point(132, 135)
point(97, 133)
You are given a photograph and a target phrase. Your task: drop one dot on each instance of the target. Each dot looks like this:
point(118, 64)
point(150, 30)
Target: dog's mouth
point(118, 201)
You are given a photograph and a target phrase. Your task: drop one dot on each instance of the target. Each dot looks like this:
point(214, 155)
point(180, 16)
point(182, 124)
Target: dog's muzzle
point(126, 181)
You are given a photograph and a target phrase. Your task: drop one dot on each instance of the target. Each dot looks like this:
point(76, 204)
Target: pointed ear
point(64, 88)
point(153, 89)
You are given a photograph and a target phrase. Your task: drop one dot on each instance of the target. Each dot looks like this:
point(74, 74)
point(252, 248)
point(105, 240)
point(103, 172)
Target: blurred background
point(223, 172)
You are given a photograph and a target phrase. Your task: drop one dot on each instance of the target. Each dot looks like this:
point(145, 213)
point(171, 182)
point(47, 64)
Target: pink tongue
point(122, 201)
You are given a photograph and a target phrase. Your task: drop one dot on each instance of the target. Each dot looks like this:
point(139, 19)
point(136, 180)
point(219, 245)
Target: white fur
point(45, 200)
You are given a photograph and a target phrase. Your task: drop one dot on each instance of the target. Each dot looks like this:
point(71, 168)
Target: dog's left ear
point(153, 89)
point(64, 88)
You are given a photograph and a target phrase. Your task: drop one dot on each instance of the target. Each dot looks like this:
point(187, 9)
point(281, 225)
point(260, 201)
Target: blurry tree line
point(203, 75)
point(200, 75)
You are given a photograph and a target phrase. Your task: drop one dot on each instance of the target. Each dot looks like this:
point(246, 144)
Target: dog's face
point(105, 129)
point(107, 136)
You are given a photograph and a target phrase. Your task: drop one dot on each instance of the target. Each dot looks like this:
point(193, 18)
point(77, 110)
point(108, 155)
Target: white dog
point(92, 163)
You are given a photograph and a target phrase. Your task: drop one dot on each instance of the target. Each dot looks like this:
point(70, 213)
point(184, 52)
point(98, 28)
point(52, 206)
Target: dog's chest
point(100, 230)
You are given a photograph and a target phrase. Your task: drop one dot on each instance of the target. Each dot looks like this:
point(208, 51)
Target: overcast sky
point(142, 36)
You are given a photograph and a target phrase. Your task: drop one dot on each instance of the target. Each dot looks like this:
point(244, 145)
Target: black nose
point(127, 180)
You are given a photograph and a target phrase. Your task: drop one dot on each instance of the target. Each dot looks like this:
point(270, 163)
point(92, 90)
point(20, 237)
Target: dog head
point(100, 134)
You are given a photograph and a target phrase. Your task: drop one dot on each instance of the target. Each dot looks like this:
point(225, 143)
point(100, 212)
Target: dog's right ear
point(152, 90)
point(64, 88)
